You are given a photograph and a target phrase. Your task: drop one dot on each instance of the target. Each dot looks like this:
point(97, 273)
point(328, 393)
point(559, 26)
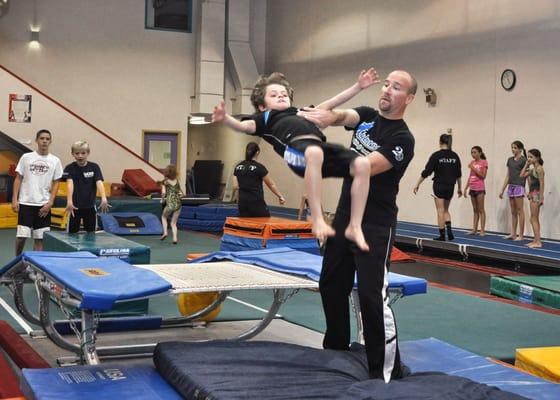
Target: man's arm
point(220, 115)
point(324, 118)
point(365, 80)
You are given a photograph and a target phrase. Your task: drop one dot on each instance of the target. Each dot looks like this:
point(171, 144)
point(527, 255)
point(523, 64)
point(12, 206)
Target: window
point(169, 15)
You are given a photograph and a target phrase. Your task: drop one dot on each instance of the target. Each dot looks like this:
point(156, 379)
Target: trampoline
point(492, 246)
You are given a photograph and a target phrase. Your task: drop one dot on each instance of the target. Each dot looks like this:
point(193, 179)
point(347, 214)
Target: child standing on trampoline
point(303, 146)
point(171, 198)
point(534, 171)
point(83, 180)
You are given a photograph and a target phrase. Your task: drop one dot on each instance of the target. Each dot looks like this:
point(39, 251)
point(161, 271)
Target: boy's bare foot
point(356, 236)
point(322, 230)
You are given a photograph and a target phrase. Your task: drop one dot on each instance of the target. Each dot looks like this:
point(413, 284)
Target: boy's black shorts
point(30, 222)
point(337, 159)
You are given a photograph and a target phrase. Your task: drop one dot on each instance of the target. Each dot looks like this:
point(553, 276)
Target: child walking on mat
point(171, 197)
point(304, 148)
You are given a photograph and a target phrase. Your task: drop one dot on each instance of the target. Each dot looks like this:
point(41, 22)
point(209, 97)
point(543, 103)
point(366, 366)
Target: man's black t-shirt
point(445, 165)
point(250, 175)
point(280, 127)
point(84, 180)
point(395, 142)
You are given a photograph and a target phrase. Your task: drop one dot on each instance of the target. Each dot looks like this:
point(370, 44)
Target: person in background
point(35, 188)
point(534, 171)
point(476, 189)
point(515, 184)
point(83, 179)
point(249, 176)
point(446, 167)
point(171, 198)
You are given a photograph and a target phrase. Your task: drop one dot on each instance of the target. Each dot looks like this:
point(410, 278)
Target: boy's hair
point(259, 91)
point(41, 131)
point(170, 172)
point(80, 145)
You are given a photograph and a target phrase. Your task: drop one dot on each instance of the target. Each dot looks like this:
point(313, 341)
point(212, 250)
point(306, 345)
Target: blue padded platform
point(241, 243)
point(131, 223)
point(98, 281)
point(96, 382)
point(284, 259)
point(436, 355)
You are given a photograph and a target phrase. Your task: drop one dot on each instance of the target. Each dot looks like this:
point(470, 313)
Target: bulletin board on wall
point(19, 108)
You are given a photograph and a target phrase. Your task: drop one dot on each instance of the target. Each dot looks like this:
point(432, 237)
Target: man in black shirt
point(382, 136)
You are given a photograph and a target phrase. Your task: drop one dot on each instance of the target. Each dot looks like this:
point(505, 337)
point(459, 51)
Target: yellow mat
point(540, 361)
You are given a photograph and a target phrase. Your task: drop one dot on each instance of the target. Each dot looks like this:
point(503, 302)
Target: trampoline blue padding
point(107, 381)
point(284, 259)
point(98, 282)
point(435, 355)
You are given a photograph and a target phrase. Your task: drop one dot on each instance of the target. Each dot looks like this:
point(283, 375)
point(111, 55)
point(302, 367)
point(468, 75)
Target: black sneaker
point(440, 238)
point(450, 236)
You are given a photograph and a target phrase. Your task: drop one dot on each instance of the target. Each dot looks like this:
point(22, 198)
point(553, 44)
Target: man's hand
point(44, 211)
point(320, 118)
point(219, 113)
point(368, 78)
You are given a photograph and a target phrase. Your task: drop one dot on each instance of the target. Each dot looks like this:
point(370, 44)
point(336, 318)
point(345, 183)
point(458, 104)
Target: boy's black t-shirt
point(84, 180)
point(395, 142)
point(250, 175)
point(445, 165)
point(280, 127)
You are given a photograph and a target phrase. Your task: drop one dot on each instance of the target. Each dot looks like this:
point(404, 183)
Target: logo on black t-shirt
point(398, 152)
point(88, 174)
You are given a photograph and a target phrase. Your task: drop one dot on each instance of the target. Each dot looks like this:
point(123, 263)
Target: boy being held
point(35, 188)
point(303, 146)
point(83, 180)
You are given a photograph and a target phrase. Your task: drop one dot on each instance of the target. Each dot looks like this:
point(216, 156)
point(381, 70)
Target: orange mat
point(268, 228)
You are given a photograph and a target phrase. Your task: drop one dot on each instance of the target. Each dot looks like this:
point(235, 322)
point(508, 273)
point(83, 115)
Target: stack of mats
point(540, 361)
point(206, 218)
point(8, 218)
point(538, 290)
point(59, 218)
point(140, 182)
point(105, 245)
point(267, 233)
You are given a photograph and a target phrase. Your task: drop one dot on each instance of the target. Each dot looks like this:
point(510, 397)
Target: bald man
point(382, 136)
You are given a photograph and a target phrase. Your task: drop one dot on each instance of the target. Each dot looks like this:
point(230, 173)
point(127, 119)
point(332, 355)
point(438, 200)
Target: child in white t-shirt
point(35, 188)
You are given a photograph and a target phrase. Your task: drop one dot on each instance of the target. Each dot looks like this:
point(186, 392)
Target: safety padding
point(190, 303)
point(59, 218)
point(265, 233)
point(139, 182)
point(21, 353)
point(200, 225)
point(540, 361)
point(106, 381)
point(268, 228)
point(8, 218)
point(131, 223)
point(538, 290)
point(98, 282)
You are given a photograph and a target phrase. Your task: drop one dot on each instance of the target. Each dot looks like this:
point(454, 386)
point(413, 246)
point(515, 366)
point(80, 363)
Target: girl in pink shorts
point(476, 189)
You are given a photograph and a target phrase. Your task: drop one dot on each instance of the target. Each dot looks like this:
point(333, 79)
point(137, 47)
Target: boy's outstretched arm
point(220, 115)
point(365, 80)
